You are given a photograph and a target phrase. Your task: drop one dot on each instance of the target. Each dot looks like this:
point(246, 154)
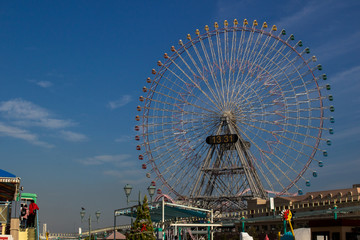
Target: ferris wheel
point(234, 113)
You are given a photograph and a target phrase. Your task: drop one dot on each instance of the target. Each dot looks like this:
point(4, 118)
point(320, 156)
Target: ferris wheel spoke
point(263, 85)
point(276, 165)
point(286, 124)
point(217, 63)
point(271, 146)
point(272, 82)
point(260, 168)
point(265, 163)
point(177, 111)
point(202, 72)
point(176, 137)
point(193, 82)
point(180, 104)
point(210, 68)
point(175, 86)
point(232, 62)
point(291, 157)
point(220, 64)
point(281, 136)
point(284, 100)
point(270, 62)
point(251, 59)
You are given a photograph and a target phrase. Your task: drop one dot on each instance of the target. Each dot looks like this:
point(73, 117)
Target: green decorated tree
point(142, 228)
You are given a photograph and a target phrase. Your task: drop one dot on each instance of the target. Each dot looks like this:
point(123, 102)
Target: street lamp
point(127, 189)
point(151, 189)
point(82, 214)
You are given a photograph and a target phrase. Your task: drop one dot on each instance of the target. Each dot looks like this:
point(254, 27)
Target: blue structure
point(4, 173)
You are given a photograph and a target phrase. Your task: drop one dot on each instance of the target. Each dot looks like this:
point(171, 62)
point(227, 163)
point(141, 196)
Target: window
point(320, 236)
point(335, 236)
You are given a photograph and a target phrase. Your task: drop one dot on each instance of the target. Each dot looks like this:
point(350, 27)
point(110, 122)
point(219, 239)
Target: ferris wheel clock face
point(222, 139)
point(234, 112)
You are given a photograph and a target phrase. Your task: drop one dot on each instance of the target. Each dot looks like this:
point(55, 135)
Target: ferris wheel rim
point(190, 43)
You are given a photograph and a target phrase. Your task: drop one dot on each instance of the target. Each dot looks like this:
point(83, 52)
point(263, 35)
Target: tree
point(142, 228)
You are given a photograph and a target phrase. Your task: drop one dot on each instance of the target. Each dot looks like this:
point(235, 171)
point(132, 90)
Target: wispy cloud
point(347, 83)
point(308, 14)
point(124, 138)
point(43, 84)
point(114, 165)
point(18, 133)
point(133, 176)
point(348, 74)
point(20, 115)
point(120, 102)
point(25, 113)
point(327, 51)
point(103, 159)
point(347, 133)
point(347, 166)
point(72, 136)
point(297, 17)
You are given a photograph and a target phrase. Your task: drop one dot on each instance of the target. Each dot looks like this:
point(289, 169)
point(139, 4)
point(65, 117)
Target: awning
point(9, 185)
point(171, 212)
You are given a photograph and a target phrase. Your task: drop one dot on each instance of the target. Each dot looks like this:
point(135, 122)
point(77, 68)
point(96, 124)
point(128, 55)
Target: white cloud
point(25, 113)
point(43, 84)
point(119, 103)
point(18, 133)
point(103, 159)
point(72, 136)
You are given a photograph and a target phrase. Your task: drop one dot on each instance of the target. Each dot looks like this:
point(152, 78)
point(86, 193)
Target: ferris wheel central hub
point(227, 116)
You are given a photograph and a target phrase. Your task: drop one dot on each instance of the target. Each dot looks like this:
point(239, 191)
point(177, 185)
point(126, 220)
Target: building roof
point(354, 191)
point(118, 235)
point(4, 173)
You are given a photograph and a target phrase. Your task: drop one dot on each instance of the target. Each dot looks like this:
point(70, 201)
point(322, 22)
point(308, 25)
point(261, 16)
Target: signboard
point(6, 237)
point(222, 139)
point(272, 207)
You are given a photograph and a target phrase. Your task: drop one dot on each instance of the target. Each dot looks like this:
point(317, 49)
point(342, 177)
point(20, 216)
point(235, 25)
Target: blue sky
point(71, 73)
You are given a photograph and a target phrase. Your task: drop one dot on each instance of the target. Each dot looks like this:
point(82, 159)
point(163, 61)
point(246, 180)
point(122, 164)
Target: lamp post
point(128, 188)
point(97, 214)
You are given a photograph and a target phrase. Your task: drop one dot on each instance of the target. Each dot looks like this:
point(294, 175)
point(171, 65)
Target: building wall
point(311, 201)
point(306, 204)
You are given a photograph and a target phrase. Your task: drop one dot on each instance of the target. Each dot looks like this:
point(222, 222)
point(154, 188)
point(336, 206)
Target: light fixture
point(127, 190)
point(151, 189)
point(97, 214)
point(82, 214)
